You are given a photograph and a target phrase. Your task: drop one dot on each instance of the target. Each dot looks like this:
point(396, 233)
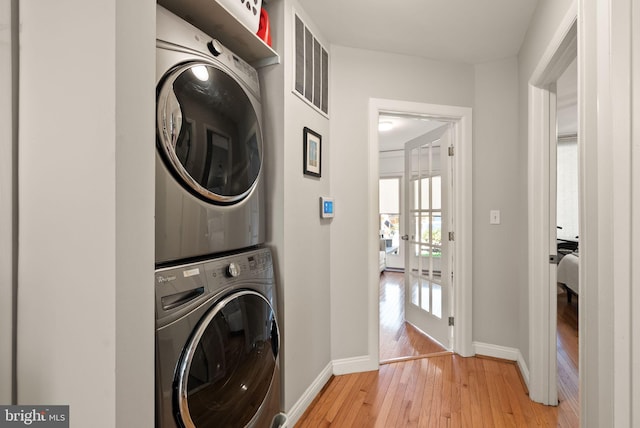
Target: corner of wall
point(8, 197)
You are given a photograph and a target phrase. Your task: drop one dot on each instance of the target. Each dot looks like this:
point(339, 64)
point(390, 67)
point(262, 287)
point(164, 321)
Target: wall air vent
point(312, 68)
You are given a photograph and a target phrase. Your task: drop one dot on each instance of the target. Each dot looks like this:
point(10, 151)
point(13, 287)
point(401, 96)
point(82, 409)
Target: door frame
point(461, 118)
point(559, 54)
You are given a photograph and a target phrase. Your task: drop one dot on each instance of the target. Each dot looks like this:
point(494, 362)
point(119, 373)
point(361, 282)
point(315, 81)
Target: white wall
point(356, 76)
point(299, 237)
point(499, 263)
point(85, 309)
point(8, 135)
point(135, 26)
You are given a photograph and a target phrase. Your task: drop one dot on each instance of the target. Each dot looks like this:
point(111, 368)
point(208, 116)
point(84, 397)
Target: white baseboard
point(505, 353)
point(524, 370)
point(336, 367)
point(298, 409)
point(354, 365)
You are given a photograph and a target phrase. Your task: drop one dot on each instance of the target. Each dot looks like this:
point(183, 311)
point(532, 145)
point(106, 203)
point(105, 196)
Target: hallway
point(443, 389)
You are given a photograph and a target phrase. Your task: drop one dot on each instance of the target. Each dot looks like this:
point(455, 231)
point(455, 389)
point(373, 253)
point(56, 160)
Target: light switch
point(494, 217)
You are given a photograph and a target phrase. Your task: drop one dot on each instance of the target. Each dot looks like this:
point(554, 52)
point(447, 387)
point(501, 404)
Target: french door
point(428, 243)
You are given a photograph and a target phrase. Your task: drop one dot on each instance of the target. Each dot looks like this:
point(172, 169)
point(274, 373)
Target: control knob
point(233, 270)
point(215, 47)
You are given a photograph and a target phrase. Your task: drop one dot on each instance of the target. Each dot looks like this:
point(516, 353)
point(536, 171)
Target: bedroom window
point(567, 203)
point(390, 214)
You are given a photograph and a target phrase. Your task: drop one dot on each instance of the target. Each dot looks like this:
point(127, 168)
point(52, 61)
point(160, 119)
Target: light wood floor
point(399, 339)
point(568, 391)
point(450, 391)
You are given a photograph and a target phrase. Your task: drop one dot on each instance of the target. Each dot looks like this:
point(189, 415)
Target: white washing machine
point(209, 190)
point(217, 344)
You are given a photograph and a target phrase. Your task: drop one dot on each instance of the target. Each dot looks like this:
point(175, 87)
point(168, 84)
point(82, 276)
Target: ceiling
point(405, 128)
point(461, 31)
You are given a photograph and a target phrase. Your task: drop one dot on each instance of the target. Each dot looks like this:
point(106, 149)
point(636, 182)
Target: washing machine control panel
point(181, 288)
point(233, 270)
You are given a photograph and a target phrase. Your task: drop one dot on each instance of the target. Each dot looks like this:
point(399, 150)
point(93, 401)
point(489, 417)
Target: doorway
point(459, 120)
point(412, 302)
point(567, 239)
point(543, 214)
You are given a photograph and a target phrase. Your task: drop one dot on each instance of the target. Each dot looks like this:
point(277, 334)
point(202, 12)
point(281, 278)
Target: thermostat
point(326, 207)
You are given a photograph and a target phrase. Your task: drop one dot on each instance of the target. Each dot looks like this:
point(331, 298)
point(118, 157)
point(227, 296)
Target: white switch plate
point(494, 217)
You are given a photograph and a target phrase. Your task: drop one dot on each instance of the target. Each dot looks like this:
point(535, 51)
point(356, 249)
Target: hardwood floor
point(399, 339)
point(443, 391)
point(450, 391)
point(567, 340)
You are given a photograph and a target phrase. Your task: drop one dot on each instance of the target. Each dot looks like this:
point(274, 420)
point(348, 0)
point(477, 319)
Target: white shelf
point(218, 22)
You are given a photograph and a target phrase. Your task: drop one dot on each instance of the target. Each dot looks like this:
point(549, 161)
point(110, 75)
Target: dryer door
point(228, 366)
point(208, 132)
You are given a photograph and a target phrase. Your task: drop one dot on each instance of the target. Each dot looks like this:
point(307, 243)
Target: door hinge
point(554, 259)
point(451, 236)
point(450, 150)
point(450, 321)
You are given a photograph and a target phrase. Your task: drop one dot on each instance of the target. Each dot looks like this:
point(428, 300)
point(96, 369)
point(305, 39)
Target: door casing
point(542, 377)
point(461, 119)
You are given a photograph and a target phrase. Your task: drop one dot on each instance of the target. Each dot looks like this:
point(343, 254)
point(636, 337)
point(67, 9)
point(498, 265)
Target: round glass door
point(228, 365)
point(208, 133)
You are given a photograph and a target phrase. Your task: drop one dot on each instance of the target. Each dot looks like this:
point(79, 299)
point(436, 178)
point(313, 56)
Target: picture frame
point(312, 153)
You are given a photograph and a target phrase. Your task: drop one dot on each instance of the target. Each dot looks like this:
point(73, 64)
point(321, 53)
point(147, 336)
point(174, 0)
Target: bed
point(568, 274)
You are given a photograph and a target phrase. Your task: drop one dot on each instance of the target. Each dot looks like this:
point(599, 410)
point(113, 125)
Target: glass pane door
point(428, 270)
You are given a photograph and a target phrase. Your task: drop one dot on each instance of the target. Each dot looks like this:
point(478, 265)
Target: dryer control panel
point(174, 32)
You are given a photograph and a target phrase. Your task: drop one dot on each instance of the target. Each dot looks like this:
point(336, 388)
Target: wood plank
point(428, 392)
point(417, 394)
point(349, 412)
point(375, 396)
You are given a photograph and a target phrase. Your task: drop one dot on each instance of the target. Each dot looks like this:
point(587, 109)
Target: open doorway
point(459, 131)
point(546, 108)
point(567, 238)
point(399, 337)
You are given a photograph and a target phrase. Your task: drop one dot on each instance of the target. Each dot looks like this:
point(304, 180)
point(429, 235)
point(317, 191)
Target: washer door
point(208, 132)
point(227, 368)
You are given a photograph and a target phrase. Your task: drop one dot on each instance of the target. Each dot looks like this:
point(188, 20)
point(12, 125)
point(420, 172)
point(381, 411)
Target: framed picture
point(312, 150)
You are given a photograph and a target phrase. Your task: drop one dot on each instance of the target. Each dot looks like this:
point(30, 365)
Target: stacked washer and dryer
point(217, 337)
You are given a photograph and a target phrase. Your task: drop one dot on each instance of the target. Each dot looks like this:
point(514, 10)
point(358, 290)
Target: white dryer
point(209, 191)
